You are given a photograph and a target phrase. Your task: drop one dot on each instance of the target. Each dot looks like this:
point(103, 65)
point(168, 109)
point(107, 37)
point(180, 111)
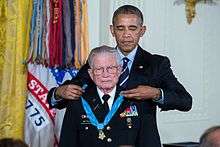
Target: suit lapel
point(140, 66)
point(141, 60)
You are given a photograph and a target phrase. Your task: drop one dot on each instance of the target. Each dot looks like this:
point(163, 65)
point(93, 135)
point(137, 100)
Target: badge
point(85, 120)
point(129, 122)
point(129, 111)
point(101, 135)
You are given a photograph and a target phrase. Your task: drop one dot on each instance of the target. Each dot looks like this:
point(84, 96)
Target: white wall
point(94, 22)
point(193, 50)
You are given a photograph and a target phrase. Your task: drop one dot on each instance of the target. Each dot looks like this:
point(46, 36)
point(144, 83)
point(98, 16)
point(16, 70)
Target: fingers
point(75, 87)
point(72, 92)
point(140, 93)
point(133, 93)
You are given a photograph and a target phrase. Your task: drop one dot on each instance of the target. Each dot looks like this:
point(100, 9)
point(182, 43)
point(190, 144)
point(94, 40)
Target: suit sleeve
point(175, 95)
point(68, 137)
point(59, 104)
point(81, 78)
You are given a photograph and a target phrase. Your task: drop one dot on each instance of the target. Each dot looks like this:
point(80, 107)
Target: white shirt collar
point(111, 99)
point(130, 56)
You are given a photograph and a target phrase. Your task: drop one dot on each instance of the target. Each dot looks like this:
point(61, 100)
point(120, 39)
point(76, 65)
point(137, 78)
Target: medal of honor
point(101, 135)
point(91, 116)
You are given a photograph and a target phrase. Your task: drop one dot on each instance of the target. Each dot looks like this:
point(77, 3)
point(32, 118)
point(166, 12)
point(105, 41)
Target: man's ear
point(143, 30)
point(90, 73)
point(112, 30)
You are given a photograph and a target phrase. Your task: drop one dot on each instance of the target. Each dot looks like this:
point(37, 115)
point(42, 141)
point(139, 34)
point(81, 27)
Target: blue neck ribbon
point(108, 117)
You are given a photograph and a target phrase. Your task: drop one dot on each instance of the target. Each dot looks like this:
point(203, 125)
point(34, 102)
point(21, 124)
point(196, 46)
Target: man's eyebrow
point(119, 26)
point(133, 26)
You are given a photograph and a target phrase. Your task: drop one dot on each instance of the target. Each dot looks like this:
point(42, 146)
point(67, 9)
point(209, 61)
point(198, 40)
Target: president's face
point(105, 71)
point(127, 30)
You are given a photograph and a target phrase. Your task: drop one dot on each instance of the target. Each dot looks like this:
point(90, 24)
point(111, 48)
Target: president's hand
point(71, 92)
point(142, 92)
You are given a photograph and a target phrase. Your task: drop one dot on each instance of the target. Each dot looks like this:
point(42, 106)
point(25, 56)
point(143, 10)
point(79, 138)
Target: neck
point(124, 52)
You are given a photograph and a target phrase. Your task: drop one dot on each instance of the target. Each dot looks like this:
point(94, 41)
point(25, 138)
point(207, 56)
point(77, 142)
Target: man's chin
point(127, 48)
point(106, 87)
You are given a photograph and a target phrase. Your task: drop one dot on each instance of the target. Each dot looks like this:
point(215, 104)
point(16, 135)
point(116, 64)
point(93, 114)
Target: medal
point(129, 122)
point(101, 135)
point(91, 116)
point(129, 111)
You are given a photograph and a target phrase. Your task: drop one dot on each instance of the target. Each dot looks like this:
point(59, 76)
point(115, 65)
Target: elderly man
point(101, 117)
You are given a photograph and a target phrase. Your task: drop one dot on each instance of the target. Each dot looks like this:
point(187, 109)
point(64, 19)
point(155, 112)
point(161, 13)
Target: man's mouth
point(106, 81)
point(127, 42)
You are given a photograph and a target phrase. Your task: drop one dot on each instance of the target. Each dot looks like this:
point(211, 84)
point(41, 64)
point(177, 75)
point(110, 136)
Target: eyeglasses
point(109, 69)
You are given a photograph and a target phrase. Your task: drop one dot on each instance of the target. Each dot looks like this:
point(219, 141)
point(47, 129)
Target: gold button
point(108, 128)
point(86, 128)
point(109, 140)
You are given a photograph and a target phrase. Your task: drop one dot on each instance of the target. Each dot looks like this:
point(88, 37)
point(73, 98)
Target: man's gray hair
point(205, 140)
point(103, 49)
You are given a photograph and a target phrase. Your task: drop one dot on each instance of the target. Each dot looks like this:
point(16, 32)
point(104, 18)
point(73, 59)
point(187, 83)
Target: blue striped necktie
point(124, 74)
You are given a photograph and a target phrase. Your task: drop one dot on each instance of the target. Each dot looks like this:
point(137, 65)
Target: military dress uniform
point(123, 129)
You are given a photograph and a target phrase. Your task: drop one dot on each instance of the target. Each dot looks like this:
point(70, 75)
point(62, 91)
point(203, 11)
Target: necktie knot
point(105, 97)
point(125, 62)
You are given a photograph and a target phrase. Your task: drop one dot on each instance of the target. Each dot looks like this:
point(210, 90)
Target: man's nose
point(127, 33)
point(105, 73)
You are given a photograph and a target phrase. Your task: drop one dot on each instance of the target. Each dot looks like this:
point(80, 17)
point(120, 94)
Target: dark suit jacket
point(77, 131)
point(152, 70)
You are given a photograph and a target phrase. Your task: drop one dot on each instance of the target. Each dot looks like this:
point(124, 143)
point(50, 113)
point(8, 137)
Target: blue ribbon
point(108, 117)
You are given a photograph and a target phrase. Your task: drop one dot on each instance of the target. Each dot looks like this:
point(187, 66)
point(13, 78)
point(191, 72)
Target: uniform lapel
point(118, 90)
point(114, 119)
point(92, 97)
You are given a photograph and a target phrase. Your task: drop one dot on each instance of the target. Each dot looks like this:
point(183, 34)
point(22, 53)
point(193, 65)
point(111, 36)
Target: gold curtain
point(81, 32)
point(85, 33)
point(15, 18)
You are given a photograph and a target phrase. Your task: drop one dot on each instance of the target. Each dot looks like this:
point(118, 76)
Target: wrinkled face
point(127, 31)
point(105, 71)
